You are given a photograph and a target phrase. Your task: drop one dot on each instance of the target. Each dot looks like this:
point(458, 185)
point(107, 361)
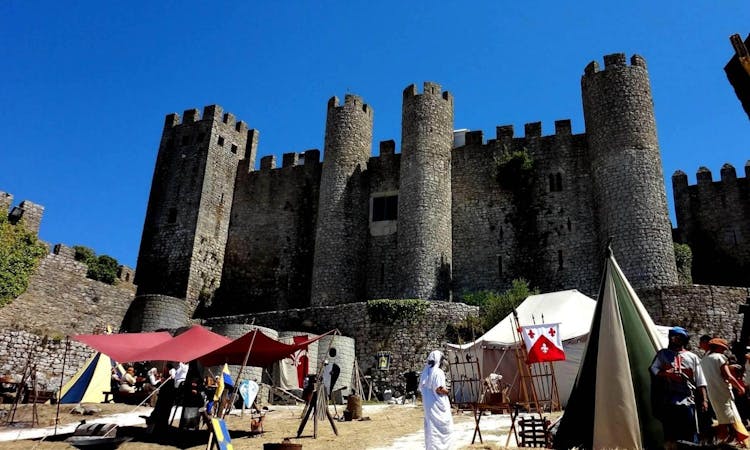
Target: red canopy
point(192, 344)
point(122, 347)
point(265, 350)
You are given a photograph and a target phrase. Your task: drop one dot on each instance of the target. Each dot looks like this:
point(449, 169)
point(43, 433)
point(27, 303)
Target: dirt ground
point(386, 423)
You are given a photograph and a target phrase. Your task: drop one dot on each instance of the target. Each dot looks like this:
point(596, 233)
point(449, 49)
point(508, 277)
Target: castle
point(450, 213)
point(301, 246)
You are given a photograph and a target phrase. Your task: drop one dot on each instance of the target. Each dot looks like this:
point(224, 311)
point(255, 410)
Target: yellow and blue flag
point(223, 439)
point(224, 380)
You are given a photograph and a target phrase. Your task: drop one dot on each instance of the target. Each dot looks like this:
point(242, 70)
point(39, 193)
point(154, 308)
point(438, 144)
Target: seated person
point(153, 377)
point(127, 382)
point(114, 385)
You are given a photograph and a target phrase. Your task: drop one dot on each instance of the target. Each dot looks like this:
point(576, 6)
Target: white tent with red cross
point(495, 350)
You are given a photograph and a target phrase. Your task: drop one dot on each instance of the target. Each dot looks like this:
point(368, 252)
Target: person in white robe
point(438, 418)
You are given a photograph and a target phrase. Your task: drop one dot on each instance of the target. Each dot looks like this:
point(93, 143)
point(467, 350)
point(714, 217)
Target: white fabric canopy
point(571, 309)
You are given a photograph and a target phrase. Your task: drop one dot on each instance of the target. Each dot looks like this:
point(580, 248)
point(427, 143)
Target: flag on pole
point(224, 380)
point(543, 342)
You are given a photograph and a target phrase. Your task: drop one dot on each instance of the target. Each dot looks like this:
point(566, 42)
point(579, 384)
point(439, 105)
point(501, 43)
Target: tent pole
point(242, 368)
point(62, 377)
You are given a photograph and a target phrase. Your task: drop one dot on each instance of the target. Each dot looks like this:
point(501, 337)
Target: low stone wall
point(408, 342)
point(701, 309)
point(21, 348)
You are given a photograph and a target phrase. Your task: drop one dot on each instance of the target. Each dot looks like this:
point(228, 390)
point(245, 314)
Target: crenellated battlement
point(704, 176)
point(429, 88)
point(31, 213)
point(614, 61)
point(211, 112)
point(351, 101)
point(308, 158)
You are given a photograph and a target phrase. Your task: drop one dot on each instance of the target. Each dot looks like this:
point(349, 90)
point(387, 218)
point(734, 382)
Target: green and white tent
point(610, 404)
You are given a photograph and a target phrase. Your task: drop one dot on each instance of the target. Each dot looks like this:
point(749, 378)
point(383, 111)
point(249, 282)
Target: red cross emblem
point(552, 332)
point(531, 334)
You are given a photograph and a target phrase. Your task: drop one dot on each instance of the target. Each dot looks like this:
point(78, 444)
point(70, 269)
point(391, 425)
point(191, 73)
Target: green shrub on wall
point(101, 268)
point(20, 252)
point(390, 311)
point(683, 257)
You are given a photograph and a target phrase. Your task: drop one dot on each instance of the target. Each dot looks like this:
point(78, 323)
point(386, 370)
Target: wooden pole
point(62, 377)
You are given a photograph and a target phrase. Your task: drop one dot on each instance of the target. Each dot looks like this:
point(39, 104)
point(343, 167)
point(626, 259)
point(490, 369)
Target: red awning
point(265, 350)
point(122, 347)
point(192, 344)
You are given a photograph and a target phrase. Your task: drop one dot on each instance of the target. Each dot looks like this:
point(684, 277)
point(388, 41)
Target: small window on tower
point(234, 148)
point(221, 141)
point(185, 140)
point(385, 208)
point(172, 218)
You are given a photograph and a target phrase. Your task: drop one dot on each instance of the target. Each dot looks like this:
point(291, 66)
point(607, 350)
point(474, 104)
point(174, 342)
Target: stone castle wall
point(269, 254)
point(701, 309)
point(60, 300)
point(713, 218)
point(409, 342)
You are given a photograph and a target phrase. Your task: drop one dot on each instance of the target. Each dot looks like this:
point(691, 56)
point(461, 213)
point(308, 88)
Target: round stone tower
point(424, 202)
point(341, 235)
point(626, 169)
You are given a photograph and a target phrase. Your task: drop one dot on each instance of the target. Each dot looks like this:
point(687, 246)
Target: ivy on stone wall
point(683, 256)
point(101, 268)
point(388, 311)
point(514, 170)
point(20, 253)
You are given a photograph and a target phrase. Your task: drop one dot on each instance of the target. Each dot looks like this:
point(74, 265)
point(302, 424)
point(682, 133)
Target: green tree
point(20, 252)
point(101, 268)
point(494, 306)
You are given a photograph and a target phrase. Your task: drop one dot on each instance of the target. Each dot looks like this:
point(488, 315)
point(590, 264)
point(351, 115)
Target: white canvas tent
point(495, 349)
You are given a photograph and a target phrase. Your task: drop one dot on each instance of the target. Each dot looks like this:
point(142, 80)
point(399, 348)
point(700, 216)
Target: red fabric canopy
point(122, 347)
point(193, 343)
point(265, 350)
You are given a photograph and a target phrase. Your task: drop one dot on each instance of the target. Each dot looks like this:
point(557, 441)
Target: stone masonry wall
point(629, 194)
point(19, 348)
point(701, 309)
point(713, 218)
point(60, 300)
point(548, 236)
point(409, 343)
point(269, 254)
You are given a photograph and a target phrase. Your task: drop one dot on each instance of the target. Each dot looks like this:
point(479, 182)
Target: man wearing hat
point(677, 373)
point(719, 377)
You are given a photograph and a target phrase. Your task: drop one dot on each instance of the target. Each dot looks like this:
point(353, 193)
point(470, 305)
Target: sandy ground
point(389, 427)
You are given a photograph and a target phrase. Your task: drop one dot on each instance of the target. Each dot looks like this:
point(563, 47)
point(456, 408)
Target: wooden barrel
point(354, 406)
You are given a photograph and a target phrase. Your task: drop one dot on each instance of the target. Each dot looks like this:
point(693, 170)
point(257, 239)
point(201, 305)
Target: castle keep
point(451, 213)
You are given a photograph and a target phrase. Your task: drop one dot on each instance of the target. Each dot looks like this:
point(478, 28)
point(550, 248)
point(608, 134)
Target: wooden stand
point(311, 408)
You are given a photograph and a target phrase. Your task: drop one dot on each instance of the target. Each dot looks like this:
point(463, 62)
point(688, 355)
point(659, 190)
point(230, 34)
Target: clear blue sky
point(86, 85)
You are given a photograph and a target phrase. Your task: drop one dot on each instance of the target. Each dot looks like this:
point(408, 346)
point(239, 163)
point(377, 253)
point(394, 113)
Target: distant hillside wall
point(60, 300)
point(701, 309)
point(409, 343)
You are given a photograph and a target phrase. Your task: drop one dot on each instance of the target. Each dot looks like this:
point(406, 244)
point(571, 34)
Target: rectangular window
point(221, 141)
point(234, 148)
point(172, 218)
point(385, 208)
